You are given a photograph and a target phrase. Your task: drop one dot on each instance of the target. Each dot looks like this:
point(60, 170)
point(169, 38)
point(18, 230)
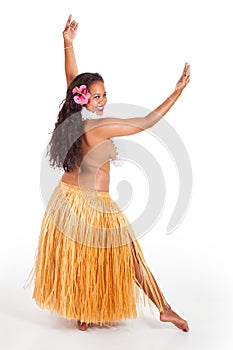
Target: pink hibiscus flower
point(82, 96)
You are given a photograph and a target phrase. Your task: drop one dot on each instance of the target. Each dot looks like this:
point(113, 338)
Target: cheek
point(92, 102)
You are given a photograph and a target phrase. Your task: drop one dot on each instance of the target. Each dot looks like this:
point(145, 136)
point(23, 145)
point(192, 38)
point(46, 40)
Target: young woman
point(89, 265)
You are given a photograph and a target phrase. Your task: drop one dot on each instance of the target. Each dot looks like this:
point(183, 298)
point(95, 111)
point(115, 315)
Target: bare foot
point(82, 326)
point(168, 315)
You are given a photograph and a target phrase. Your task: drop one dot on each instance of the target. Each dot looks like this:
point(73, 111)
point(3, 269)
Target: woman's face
point(98, 98)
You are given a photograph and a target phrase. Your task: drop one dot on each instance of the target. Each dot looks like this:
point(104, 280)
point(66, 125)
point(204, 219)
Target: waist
point(78, 188)
point(88, 180)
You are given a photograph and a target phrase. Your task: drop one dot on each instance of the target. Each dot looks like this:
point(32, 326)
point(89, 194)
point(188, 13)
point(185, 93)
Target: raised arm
point(69, 33)
point(111, 127)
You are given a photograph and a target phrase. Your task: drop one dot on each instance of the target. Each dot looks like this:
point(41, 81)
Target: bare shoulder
point(104, 128)
point(93, 125)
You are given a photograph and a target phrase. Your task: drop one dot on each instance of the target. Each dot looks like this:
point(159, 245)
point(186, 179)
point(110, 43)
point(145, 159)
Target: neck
point(87, 114)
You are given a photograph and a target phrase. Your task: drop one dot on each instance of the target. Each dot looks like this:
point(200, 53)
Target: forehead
point(97, 87)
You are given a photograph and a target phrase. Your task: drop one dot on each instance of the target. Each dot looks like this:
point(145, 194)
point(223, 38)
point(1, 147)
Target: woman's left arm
point(69, 33)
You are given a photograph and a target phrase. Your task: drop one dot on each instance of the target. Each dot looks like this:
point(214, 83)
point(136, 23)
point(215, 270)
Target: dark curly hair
point(65, 146)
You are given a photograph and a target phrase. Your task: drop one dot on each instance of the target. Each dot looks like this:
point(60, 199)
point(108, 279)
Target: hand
point(184, 79)
point(70, 30)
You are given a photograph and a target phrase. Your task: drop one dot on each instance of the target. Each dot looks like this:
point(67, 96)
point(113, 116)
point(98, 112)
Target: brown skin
point(95, 168)
point(69, 33)
point(96, 174)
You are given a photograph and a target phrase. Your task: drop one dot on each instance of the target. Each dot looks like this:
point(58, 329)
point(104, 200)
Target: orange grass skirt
point(84, 267)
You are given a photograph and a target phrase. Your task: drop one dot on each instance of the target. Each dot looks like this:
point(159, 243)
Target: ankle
point(166, 308)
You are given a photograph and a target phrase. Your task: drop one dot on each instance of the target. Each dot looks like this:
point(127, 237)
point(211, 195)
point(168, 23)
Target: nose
point(102, 100)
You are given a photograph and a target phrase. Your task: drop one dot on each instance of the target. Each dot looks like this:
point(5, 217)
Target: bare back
point(94, 171)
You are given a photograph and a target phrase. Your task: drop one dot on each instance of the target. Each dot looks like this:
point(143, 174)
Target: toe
point(82, 326)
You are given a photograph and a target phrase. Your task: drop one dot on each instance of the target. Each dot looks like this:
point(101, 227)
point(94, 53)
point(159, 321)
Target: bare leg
point(146, 281)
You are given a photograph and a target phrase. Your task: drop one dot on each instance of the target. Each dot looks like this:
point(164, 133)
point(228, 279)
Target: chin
point(99, 112)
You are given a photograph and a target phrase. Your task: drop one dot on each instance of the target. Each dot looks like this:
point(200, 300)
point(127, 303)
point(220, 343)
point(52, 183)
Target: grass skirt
point(84, 267)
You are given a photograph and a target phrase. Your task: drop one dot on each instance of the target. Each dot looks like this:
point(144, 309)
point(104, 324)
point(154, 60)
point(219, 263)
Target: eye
point(96, 96)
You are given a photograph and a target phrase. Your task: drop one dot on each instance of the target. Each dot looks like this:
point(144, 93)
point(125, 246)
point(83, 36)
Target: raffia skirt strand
point(85, 262)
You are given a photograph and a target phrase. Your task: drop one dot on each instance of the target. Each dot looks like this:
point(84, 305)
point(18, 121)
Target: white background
point(140, 48)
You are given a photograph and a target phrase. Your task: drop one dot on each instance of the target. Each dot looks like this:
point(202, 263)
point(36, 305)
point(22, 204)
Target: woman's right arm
point(69, 33)
point(111, 127)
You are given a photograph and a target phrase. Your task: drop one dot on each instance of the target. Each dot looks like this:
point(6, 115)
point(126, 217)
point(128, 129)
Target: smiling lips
point(100, 108)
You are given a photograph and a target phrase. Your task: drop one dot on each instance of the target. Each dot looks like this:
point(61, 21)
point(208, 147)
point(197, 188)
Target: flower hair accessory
point(81, 95)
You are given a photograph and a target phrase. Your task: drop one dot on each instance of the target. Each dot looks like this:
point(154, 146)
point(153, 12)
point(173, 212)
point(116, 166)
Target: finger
point(185, 71)
point(187, 80)
point(68, 20)
point(67, 23)
point(73, 23)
